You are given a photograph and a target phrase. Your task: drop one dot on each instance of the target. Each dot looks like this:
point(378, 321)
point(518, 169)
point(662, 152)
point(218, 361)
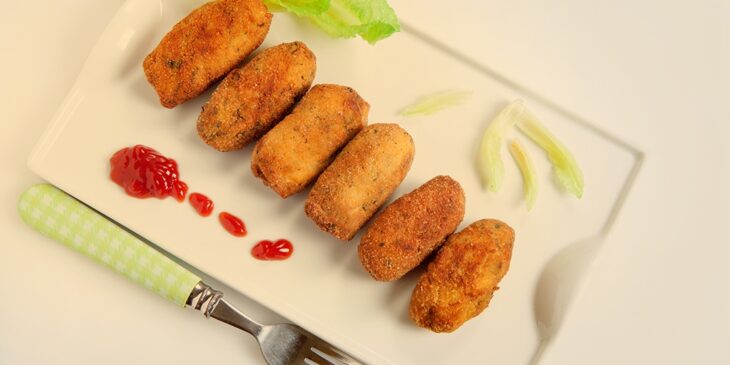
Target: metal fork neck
point(227, 313)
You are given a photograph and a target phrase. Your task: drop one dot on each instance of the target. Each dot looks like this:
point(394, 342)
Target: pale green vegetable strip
point(299, 7)
point(568, 174)
point(372, 20)
point(435, 103)
point(489, 160)
point(529, 180)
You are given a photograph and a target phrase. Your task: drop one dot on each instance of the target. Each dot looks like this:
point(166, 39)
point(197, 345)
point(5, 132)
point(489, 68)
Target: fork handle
point(63, 218)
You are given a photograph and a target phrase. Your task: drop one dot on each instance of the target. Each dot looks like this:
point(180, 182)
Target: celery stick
point(489, 160)
point(567, 173)
point(529, 180)
point(434, 103)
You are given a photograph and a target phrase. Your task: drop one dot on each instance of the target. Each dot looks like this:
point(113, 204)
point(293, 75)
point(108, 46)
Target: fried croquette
point(412, 227)
point(459, 283)
point(360, 179)
point(292, 154)
point(204, 46)
point(256, 96)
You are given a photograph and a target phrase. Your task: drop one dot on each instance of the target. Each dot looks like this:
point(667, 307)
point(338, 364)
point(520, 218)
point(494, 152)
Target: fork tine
point(314, 357)
point(331, 351)
point(324, 348)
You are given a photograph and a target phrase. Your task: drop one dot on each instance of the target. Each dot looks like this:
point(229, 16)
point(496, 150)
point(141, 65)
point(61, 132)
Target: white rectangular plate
point(323, 287)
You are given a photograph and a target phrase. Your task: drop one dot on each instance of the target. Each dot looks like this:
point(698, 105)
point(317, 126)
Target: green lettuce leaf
point(372, 20)
point(568, 174)
point(299, 7)
point(434, 103)
point(524, 162)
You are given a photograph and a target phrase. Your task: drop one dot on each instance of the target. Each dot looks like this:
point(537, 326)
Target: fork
point(65, 219)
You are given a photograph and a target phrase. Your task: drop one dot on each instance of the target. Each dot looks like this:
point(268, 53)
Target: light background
point(656, 73)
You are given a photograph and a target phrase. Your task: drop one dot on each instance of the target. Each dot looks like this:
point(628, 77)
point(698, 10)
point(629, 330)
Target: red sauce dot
point(181, 189)
point(143, 173)
point(232, 224)
point(266, 250)
point(202, 204)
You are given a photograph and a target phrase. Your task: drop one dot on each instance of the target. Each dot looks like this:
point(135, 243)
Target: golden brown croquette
point(204, 46)
point(459, 283)
point(360, 179)
point(256, 96)
point(412, 227)
point(292, 154)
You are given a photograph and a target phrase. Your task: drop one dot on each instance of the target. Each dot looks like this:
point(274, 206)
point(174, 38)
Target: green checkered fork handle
point(66, 220)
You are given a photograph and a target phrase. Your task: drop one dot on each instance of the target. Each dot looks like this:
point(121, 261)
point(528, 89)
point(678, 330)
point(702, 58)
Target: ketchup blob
point(144, 173)
point(232, 224)
point(202, 204)
point(267, 250)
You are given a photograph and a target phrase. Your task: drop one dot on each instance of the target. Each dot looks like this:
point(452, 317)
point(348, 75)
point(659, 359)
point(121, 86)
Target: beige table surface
point(653, 72)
